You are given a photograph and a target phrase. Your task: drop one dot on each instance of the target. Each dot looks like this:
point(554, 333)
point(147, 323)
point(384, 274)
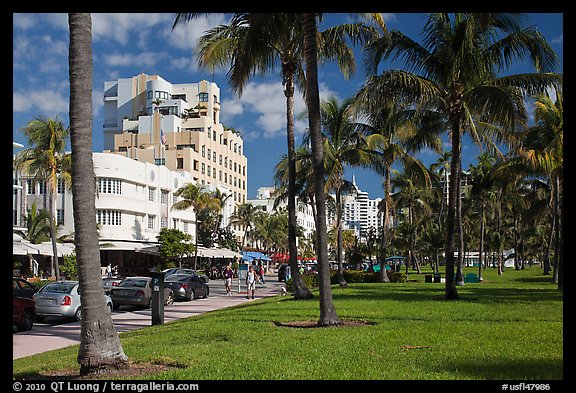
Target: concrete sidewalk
point(44, 338)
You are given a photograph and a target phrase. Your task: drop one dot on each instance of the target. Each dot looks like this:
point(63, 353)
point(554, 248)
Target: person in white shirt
point(250, 282)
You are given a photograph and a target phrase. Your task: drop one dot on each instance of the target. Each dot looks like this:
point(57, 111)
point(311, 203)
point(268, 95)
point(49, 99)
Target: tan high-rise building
point(177, 125)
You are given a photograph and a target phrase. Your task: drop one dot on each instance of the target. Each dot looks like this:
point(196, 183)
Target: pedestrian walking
point(228, 274)
point(250, 282)
point(261, 273)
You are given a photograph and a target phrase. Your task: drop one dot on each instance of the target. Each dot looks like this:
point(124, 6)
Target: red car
point(23, 313)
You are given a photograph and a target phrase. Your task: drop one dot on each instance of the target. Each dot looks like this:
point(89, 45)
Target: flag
point(163, 138)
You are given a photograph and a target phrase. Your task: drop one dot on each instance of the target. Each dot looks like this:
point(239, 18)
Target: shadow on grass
point(505, 369)
point(475, 294)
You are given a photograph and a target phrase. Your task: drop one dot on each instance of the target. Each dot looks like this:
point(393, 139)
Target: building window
point(209, 154)
point(164, 197)
point(164, 222)
point(42, 187)
point(203, 168)
point(60, 186)
point(60, 216)
point(151, 220)
point(209, 172)
point(203, 151)
point(151, 192)
point(174, 198)
point(30, 190)
point(203, 97)
point(109, 186)
point(109, 217)
point(160, 161)
point(220, 159)
point(179, 163)
point(185, 227)
point(214, 156)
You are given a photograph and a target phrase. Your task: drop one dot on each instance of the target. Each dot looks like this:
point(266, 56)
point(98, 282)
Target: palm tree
point(394, 133)
point(193, 196)
point(328, 314)
point(482, 193)
point(46, 161)
point(244, 216)
point(37, 225)
point(100, 347)
point(343, 145)
point(455, 71)
point(255, 43)
point(541, 153)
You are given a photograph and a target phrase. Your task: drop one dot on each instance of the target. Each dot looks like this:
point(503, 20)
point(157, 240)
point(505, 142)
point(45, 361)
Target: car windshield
point(59, 287)
point(177, 278)
point(133, 283)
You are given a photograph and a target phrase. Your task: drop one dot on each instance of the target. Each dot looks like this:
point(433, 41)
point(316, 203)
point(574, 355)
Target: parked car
point(23, 313)
point(182, 270)
point(137, 291)
point(22, 288)
point(284, 272)
point(61, 299)
point(110, 282)
point(187, 286)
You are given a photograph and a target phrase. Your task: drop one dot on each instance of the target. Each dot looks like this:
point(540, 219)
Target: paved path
point(44, 337)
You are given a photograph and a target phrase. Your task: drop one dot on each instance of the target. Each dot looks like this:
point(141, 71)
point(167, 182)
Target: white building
point(360, 213)
point(18, 213)
point(133, 200)
point(265, 200)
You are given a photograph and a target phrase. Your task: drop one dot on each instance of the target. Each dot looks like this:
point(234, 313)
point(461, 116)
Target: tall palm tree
point(244, 216)
point(100, 347)
point(195, 197)
point(394, 132)
point(328, 314)
point(343, 145)
point(37, 225)
point(46, 161)
point(483, 194)
point(540, 153)
point(256, 43)
point(455, 70)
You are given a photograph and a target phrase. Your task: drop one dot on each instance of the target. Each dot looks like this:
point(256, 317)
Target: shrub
point(309, 279)
point(355, 276)
point(397, 277)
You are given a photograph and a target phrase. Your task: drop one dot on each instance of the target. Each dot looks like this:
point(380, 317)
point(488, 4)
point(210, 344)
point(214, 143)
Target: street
point(57, 333)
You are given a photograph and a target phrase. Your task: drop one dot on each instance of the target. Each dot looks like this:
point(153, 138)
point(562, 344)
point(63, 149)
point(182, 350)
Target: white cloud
point(47, 102)
point(145, 59)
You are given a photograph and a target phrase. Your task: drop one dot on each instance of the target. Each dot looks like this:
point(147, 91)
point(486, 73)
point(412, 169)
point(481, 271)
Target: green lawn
point(507, 328)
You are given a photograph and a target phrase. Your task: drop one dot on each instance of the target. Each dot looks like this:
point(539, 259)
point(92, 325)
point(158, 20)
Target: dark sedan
point(23, 313)
point(137, 291)
point(187, 286)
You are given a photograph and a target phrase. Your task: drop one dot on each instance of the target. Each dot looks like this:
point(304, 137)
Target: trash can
point(437, 277)
point(428, 278)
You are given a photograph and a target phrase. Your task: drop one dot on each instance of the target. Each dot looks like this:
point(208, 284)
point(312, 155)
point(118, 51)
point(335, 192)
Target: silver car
point(137, 291)
point(61, 299)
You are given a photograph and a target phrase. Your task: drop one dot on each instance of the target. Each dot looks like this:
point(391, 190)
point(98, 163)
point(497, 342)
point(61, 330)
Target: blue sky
point(125, 45)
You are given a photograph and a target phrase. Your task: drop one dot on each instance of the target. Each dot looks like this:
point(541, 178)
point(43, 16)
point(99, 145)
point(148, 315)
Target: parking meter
point(157, 284)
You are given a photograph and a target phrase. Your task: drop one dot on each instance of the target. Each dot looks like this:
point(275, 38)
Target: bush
point(309, 279)
point(397, 277)
point(355, 276)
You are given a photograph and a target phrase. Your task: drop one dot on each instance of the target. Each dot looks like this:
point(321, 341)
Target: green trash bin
point(428, 278)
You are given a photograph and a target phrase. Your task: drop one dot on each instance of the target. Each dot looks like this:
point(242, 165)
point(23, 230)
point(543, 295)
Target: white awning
point(122, 245)
point(23, 248)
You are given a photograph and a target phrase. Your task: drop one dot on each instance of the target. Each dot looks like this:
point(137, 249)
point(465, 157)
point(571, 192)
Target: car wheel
point(27, 321)
point(169, 299)
point(192, 295)
point(78, 314)
point(206, 293)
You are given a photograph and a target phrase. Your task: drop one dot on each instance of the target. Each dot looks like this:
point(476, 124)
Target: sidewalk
point(46, 338)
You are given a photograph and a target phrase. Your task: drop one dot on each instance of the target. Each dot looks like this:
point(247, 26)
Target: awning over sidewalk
point(123, 245)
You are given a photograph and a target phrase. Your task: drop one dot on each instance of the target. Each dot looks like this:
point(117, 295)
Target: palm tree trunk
point(341, 280)
point(481, 254)
point(383, 274)
point(100, 347)
point(300, 289)
point(52, 197)
point(450, 292)
point(327, 311)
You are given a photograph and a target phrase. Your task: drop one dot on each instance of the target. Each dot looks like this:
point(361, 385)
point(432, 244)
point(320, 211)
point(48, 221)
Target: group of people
point(255, 274)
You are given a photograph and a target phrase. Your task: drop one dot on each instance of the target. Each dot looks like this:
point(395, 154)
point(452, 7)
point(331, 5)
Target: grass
point(508, 327)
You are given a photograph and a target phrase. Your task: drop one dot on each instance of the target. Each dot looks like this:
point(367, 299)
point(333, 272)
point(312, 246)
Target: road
point(54, 333)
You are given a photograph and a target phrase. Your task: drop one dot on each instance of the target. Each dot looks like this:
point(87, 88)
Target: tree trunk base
point(303, 294)
point(102, 369)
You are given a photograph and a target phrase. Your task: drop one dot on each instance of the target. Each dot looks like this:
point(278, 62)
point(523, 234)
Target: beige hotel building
point(149, 119)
